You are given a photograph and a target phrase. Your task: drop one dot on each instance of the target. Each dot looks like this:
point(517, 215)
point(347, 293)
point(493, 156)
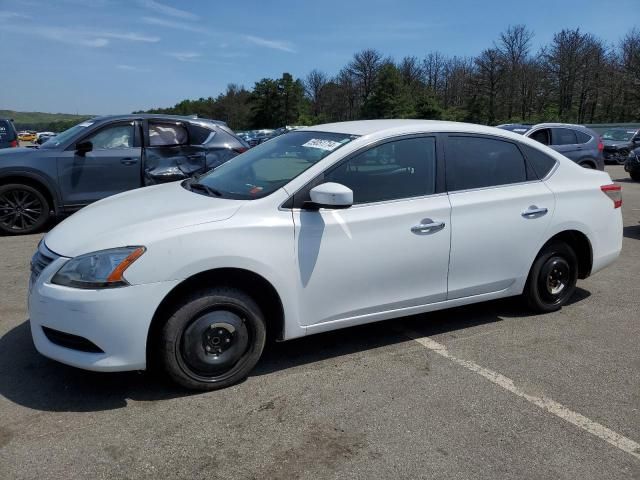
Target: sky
point(117, 56)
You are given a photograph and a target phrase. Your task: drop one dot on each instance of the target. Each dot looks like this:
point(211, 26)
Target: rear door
point(564, 140)
point(112, 166)
point(500, 211)
point(172, 152)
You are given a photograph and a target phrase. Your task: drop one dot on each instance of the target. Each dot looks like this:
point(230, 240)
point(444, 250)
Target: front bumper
point(115, 320)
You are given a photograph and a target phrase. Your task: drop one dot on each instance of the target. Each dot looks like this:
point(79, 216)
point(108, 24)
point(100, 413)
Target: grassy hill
point(41, 121)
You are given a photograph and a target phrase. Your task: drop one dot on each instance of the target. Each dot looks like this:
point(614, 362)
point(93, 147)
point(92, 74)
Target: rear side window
point(583, 137)
point(167, 134)
point(540, 162)
point(476, 162)
point(199, 135)
point(541, 136)
point(394, 170)
point(563, 136)
point(7, 133)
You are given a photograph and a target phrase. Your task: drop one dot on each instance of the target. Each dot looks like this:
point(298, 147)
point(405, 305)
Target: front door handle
point(534, 211)
point(428, 226)
point(128, 161)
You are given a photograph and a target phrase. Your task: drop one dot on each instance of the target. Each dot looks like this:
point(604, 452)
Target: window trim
point(296, 205)
point(531, 176)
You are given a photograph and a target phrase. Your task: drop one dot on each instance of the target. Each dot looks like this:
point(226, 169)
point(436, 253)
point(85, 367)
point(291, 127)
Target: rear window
point(540, 162)
point(199, 135)
point(7, 133)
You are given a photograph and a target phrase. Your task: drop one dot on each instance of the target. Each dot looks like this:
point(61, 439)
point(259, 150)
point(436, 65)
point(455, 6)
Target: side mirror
point(83, 147)
point(329, 195)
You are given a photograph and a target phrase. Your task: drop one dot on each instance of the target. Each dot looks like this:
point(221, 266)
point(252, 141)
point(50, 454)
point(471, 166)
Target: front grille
point(73, 342)
point(41, 260)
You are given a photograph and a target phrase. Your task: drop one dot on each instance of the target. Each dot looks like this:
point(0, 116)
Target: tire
point(213, 339)
point(552, 278)
point(588, 165)
point(635, 176)
point(23, 209)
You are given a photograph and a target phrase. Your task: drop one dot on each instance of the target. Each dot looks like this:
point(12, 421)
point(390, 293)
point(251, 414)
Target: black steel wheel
point(213, 339)
point(552, 279)
point(23, 209)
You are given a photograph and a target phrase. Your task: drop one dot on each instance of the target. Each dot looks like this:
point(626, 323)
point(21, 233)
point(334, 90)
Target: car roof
point(157, 116)
point(557, 124)
point(367, 127)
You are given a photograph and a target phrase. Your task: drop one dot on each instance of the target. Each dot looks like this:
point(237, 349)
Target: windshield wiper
point(205, 188)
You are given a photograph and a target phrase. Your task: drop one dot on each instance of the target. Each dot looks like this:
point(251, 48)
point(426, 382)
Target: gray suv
point(104, 156)
point(580, 144)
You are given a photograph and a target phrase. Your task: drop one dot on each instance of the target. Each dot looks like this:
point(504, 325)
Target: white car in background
point(323, 228)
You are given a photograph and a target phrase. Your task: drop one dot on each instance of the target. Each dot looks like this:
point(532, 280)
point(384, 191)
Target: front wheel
point(552, 279)
point(635, 175)
point(23, 209)
point(213, 339)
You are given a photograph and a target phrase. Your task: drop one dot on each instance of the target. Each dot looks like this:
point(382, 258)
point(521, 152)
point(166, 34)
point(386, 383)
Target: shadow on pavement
point(632, 231)
point(33, 381)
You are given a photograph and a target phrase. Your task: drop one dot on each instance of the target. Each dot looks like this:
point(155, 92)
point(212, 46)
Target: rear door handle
point(128, 161)
point(427, 226)
point(534, 211)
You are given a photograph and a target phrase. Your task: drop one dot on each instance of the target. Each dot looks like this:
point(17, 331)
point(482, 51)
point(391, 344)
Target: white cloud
point(12, 15)
point(130, 36)
point(185, 56)
point(167, 10)
point(161, 22)
point(273, 44)
point(131, 68)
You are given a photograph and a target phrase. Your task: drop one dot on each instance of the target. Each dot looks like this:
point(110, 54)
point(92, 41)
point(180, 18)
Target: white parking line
point(623, 443)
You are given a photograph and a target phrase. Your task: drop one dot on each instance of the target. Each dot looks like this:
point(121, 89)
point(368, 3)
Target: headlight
point(101, 269)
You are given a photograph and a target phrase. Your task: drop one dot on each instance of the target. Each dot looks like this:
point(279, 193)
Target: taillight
point(614, 192)
point(600, 144)
point(240, 149)
point(13, 144)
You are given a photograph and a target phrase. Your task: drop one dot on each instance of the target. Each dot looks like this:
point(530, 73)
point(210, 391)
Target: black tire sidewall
point(190, 309)
point(42, 220)
point(532, 291)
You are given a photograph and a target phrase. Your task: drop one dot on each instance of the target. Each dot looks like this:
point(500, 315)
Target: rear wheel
point(552, 279)
point(213, 339)
point(23, 209)
point(588, 165)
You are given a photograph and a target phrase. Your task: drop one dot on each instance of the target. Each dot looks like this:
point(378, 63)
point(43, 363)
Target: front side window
point(270, 165)
point(475, 162)
point(564, 136)
point(113, 137)
point(394, 170)
point(167, 135)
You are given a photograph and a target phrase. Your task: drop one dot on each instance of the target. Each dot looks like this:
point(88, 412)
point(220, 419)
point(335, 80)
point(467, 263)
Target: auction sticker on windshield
point(328, 145)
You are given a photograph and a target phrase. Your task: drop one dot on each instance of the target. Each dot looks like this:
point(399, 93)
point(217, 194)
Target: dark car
point(632, 164)
point(576, 142)
point(8, 134)
point(104, 156)
point(520, 128)
point(618, 142)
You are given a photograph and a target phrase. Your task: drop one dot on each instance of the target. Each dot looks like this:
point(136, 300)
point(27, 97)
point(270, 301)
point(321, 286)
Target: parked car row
point(256, 137)
point(320, 229)
point(104, 156)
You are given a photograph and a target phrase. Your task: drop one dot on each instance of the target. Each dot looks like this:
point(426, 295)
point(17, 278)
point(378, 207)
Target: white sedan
point(322, 228)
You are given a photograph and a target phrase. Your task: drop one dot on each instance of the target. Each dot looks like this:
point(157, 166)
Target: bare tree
point(489, 76)
point(364, 68)
point(514, 46)
point(313, 85)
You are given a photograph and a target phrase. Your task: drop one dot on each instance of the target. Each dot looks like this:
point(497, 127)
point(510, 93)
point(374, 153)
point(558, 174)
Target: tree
point(390, 97)
point(364, 69)
point(313, 85)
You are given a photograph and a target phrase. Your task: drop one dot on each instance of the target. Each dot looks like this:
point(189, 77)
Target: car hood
point(616, 144)
point(13, 153)
point(136, 218)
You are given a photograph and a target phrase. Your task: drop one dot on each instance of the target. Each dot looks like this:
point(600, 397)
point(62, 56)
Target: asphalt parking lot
point(486, 392)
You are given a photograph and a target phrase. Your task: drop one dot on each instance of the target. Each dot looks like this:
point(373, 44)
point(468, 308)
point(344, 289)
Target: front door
point(390, 250)
point(112, 166)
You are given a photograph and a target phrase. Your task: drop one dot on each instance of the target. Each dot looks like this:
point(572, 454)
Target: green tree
point(390, 97)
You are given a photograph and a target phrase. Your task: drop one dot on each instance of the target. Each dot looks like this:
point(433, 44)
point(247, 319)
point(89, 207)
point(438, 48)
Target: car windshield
point(64, 137)
point(269, 166)
point(618, 135)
